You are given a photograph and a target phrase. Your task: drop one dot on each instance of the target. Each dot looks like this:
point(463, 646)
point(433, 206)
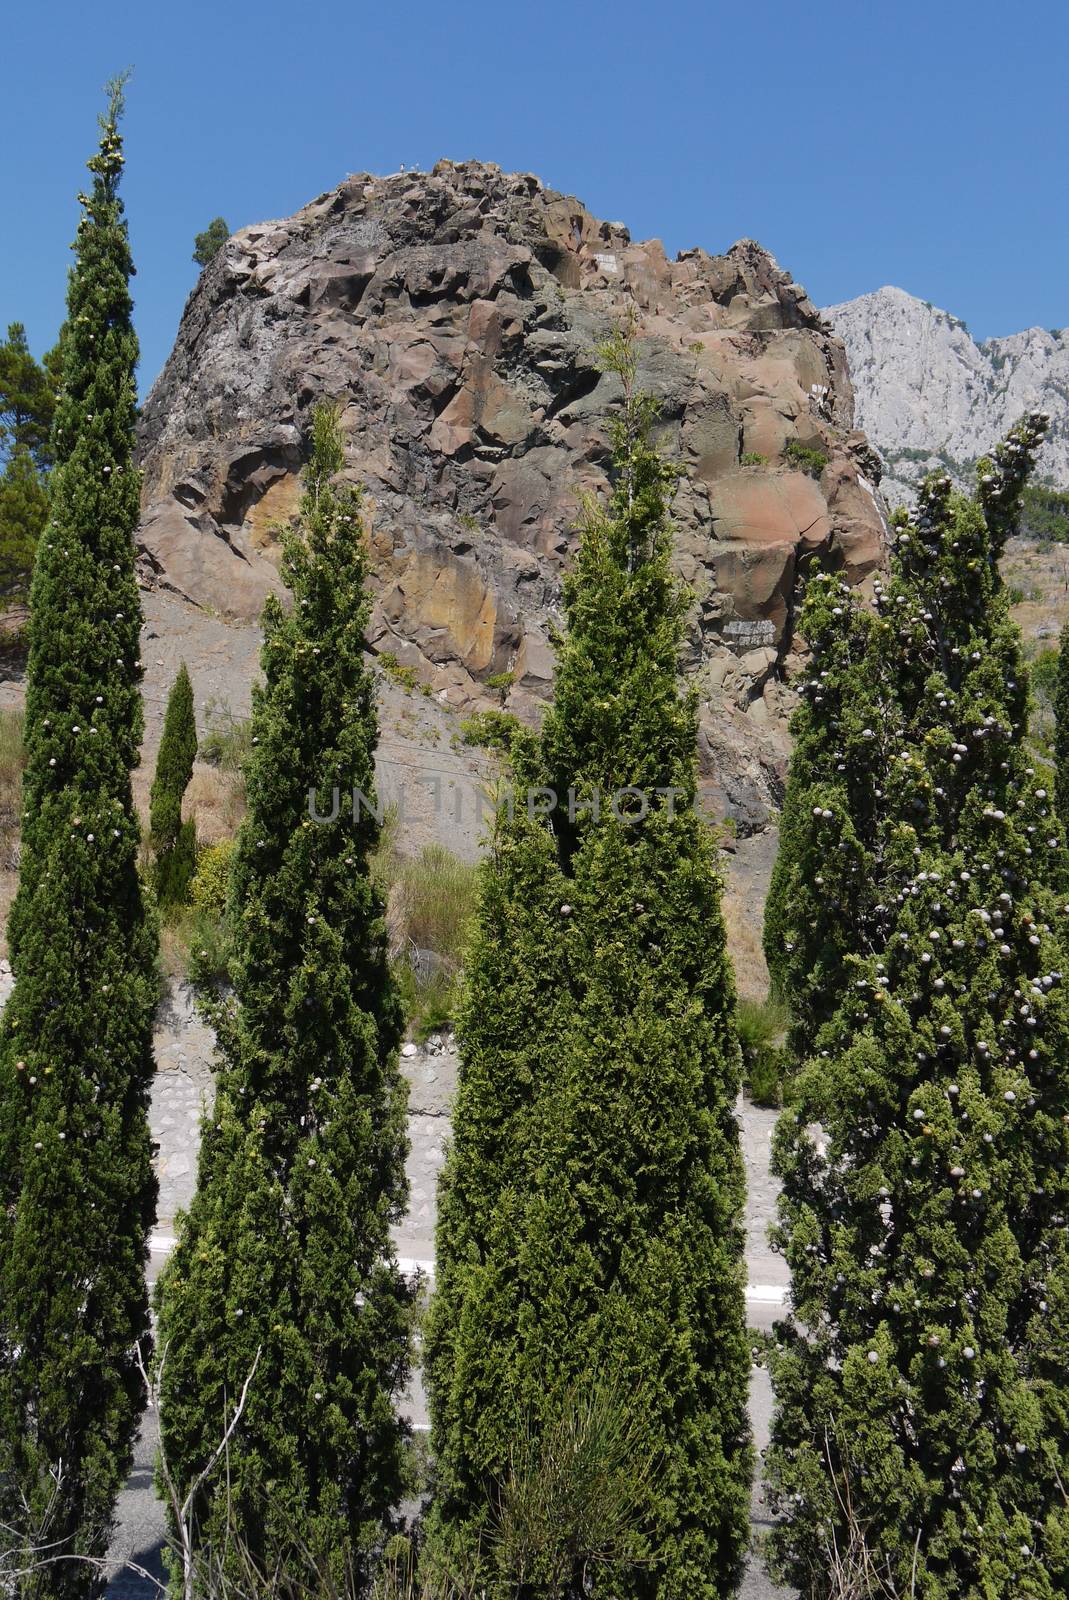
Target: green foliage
point(77, 1191)
point(211, 883)
point(23, 513)
point(174, 842)
point(501, 683)
point(27, 398)
point(27, 405)
point(435, 892)
point(573, 1508)
point(752, 458)
point(806, 460)
point(1045, 514)
point(878, 687)
point(1060, 699)
point(285, 1262)
point(206, 245)
point(407, 677)
point(919, 1380)
point(227, 739)
point(761, 1026)
point(493, 730)
point(589, 1214)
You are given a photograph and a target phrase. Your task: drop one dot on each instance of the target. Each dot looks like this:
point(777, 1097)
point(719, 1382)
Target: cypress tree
point(870, 693)
point(1061, 730)
point(77, 1191)
point(589, 1229)
point(286, 1249)
point(920, 1407)
point(175, 841)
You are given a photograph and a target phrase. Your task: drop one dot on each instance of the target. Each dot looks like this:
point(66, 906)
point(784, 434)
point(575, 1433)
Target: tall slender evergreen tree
point(1061, 730)
point(883, 681)
point(174, 841)
point(286, 1249)
point(589, 1227)
point(919, 1409)
point(77, 1191)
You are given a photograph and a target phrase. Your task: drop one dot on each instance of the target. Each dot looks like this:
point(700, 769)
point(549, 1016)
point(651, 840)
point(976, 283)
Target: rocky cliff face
point(454, 317)
point(927, 393)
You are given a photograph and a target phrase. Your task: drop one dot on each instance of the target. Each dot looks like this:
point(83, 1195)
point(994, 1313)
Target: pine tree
point(589, 1229)
point(23, 513)
point(27, 397)
point(286, 1252)
point(174, 841)
point(920, 1406)
point(1061, 731)
point(77, 1191)
point(207, 245)
point(870, 694)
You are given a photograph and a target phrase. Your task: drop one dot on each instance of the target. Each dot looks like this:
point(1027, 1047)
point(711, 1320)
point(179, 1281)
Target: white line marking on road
point(764, 1294)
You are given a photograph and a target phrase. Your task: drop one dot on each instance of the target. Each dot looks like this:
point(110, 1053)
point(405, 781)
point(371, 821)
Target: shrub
point(806, 460)
point(227, 739)
point(211, 881)
point(493, 730)
point(435, 897)
point(762, 1025)
point(406, 677)
point(752, 458)
point(501, 683)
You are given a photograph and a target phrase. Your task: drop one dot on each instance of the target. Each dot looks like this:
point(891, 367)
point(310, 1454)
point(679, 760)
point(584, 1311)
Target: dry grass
point(12, 764)
point(215, 799)
point(744, 920)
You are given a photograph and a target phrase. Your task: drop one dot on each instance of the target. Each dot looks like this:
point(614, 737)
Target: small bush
point(752, 458)
point(576, 1500)
point(227, 740)
point(195, 945)
point(430, 999)
point(492, 730)
point(761, 1027)
point(407, 677)
point(806, 460)
point(212, 878)
point(501, 683)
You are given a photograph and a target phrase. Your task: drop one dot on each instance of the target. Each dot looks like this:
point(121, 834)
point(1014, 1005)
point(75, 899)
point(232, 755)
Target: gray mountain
point(922, 384)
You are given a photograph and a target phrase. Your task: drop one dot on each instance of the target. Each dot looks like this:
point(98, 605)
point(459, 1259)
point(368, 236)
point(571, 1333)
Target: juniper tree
point(174, 841)
point(77, 1191)
point(921, 1410)
point(1061, 730)
point(284, 1260)
point(879, 683)
point(589, 1231)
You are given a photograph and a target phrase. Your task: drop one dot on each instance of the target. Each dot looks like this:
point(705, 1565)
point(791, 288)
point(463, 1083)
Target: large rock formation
point(454, 315)
point(928, 394)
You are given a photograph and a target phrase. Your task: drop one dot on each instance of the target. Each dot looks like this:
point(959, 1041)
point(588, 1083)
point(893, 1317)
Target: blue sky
point(917, 144)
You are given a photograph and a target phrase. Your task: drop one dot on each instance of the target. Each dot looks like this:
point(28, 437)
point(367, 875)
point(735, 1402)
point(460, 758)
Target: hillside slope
point(923, 384)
